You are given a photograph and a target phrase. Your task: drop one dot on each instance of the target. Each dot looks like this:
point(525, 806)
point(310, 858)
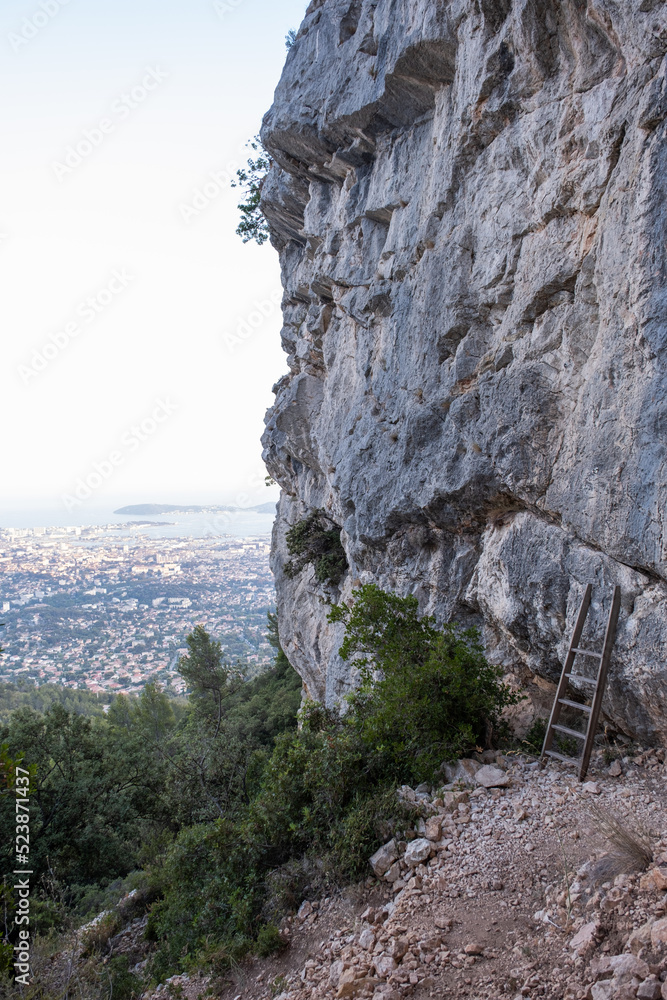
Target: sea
point(237, 524)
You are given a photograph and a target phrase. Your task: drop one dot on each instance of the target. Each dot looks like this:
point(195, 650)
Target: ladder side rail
point(556, 707)
point(567, 668)
point(596, 706)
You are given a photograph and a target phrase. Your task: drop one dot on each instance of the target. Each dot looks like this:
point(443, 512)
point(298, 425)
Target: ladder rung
point(586, 652)
point(575, 704)
point(561, 756)
point(570, 732)
point(580, 677)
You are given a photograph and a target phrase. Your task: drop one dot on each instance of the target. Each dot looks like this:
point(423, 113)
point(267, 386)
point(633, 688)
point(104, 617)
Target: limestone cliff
point(469, 198)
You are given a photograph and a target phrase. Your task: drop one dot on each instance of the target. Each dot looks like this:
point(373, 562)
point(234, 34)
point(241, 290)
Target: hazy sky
point(122, 290)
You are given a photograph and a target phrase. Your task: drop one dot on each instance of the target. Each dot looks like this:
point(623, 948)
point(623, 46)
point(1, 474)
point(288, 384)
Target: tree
point(253, 224)
point(203, 670)
point(92, 788)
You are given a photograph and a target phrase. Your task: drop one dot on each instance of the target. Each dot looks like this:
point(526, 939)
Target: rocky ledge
point(469, 201)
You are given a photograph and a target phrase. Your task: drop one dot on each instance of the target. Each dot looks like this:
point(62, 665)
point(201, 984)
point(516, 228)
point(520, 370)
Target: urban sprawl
point(93, 608)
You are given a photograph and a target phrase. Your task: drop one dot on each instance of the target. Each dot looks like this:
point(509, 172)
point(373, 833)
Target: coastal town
point(94, 608)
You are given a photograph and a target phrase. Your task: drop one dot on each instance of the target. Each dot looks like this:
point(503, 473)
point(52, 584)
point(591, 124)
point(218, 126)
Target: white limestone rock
point(417, 851)
point(489, 776)
point(470, 200)
point(384, 858)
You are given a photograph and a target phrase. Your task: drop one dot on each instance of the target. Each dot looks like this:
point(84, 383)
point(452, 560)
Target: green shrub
point(205, 887)
point(426, 694)
point(314, 541)
point(320, 812)
point(118, 983)
point(534, 738)
point(269, 941)
point(325, 797)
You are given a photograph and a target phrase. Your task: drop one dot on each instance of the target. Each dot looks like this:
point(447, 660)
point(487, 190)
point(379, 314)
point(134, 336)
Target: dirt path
point(493, 912)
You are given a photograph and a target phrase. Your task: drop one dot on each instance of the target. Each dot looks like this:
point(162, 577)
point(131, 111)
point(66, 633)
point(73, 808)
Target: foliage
point(425, 694)
point(253, 225)
point(534, 738)
point(269, 941)
point(318, 814)
point(208, 678)
point(118, 982)
point(110, 793)
point(24, 694)
point(326, 795)
point(236, 813)
point(290, 38)
point(91, 789)
point(313, 541)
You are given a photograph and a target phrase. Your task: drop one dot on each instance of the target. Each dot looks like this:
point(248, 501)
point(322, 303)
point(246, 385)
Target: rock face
point(469, 199)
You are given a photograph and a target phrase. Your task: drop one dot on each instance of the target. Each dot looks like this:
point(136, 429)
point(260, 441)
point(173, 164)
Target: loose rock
point(417, 851)
point(384, 857)
point(491, 777)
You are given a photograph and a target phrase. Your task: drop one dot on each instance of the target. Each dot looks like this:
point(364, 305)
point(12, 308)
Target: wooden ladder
point(597, 683)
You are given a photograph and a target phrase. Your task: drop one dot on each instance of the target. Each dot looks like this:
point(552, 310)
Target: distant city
point(91, 607)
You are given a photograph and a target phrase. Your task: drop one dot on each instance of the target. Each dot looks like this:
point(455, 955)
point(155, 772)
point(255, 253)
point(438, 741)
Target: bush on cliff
point(315, 541)
point(427, 694)
point(253, 226)
point(320, 812)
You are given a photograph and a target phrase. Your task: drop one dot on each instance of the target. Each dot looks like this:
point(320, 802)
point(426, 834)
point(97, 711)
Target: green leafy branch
point(253, 224)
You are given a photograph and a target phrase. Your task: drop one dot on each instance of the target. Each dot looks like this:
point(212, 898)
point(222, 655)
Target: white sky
point(180, 287)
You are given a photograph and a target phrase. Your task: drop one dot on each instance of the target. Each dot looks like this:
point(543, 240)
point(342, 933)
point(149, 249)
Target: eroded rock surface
point(470, 203)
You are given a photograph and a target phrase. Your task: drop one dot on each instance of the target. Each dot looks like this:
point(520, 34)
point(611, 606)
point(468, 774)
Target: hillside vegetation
point(222, 812)
point(25, 694)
